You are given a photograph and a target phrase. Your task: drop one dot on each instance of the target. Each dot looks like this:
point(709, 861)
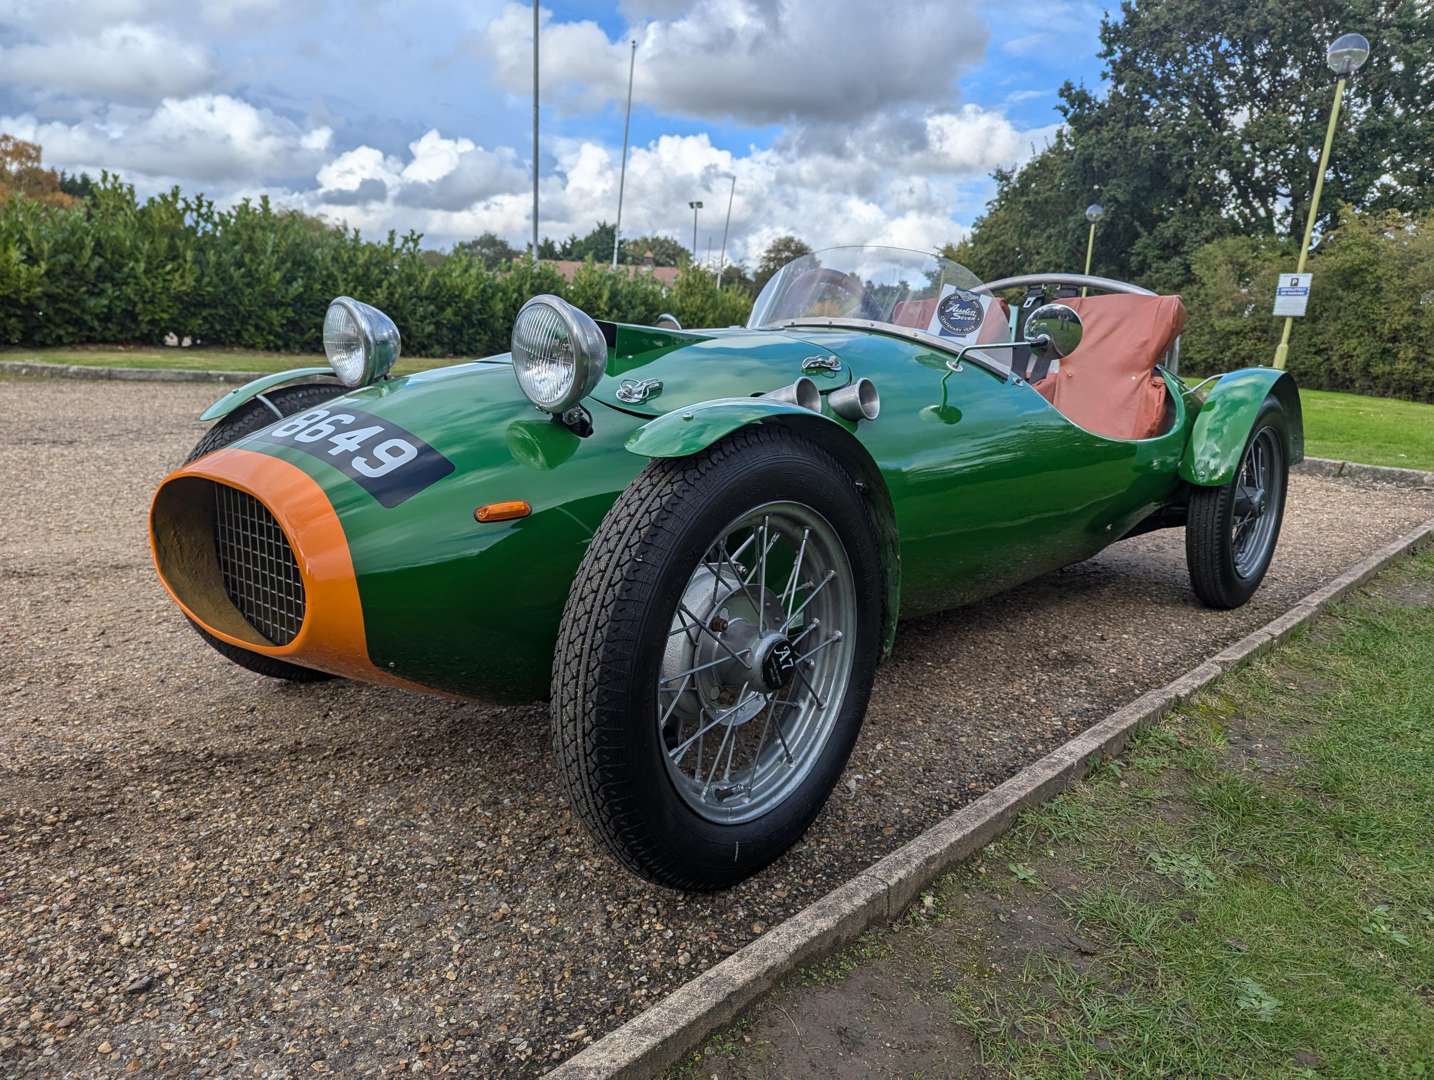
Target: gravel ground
point(206, 872)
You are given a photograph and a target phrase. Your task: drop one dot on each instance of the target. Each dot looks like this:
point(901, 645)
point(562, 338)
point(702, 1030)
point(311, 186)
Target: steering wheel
point(1085, 281)
point(848, 283)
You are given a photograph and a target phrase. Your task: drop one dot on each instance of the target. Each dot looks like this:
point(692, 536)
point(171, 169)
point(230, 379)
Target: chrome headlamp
point(559, 354)
point(361, 342)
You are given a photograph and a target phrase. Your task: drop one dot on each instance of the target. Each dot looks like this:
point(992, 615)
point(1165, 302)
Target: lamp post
point(1093, 213)
point(622, 174)
point(1345, 55)
point(722, 259)
point(694, 207)
point(535, 132)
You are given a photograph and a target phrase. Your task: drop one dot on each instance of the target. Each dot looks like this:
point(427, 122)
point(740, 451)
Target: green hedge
point(1370, 325)
point(118, 270)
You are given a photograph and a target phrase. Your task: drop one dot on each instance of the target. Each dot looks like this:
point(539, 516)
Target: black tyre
point(1232, 531)
point(254, 414)
point(715, 658)
point(245, 420)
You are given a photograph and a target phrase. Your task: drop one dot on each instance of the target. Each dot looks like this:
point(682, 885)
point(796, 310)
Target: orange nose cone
point(503, 511)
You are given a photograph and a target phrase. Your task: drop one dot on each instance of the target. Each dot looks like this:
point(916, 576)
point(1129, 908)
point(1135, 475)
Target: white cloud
point(206, 138)
point(872, 144)
point(127, 62)
point(758, 62)
point(849, 193)
point(66, 14)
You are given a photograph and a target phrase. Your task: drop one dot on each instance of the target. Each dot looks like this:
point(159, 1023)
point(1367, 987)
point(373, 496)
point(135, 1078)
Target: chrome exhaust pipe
point(803, 392)
point(856, 402)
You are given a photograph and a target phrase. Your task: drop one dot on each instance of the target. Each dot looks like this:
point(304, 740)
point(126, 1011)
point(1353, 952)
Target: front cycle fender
point(688, 431)
point(250, 390)
point(1225, 417)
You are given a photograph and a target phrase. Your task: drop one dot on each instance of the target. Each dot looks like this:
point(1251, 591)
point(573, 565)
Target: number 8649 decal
point(389, 462)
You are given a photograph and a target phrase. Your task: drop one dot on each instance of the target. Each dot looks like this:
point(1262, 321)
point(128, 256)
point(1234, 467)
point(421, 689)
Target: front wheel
point(1232, 530)
point(715, 658)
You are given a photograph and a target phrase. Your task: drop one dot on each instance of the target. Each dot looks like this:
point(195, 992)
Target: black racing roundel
point(959, 312)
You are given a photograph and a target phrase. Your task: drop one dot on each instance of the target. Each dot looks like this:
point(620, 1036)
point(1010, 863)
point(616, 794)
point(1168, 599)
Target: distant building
point(569, 268)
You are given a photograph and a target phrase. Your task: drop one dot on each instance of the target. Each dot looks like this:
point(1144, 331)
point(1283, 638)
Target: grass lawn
point(1248, 892)
point(1375, 431)
point(189, 359)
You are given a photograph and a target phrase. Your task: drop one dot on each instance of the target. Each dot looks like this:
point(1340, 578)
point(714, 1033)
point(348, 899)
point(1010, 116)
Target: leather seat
point(1108, 384)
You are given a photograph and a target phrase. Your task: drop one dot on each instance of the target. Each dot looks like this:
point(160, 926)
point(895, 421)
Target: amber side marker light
point(503, 511)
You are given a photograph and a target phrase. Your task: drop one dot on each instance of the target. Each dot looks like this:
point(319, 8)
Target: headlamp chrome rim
point(370, 332)
point(546, 330)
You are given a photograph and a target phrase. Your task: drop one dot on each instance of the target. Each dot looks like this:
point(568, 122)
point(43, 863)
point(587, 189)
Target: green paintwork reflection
point(737, 364)
point(685, 432)
point(250, 390)
point(1225, 417)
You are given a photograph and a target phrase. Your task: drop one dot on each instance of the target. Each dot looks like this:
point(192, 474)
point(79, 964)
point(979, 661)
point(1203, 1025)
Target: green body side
point(975, 481)
point(250, 390)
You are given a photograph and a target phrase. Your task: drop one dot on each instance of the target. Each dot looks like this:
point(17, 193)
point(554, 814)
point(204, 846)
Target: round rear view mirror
point(1053, 330)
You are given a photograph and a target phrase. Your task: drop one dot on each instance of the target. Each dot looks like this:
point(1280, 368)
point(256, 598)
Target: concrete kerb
point(1380, 474)
point(84, 371)
point(662, 1034)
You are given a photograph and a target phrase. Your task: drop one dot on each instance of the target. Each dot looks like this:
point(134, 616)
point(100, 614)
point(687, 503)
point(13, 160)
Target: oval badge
point(959, 312)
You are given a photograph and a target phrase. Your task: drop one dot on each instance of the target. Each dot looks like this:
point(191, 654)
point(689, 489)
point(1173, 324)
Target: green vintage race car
point(698, 543)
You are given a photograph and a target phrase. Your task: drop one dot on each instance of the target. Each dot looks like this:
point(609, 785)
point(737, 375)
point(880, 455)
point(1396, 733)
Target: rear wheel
point(1232, 530)
point(245, 420)
point(715, 658)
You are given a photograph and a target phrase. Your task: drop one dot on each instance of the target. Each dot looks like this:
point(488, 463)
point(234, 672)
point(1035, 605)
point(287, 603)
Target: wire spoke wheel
point(1231, 530)
point(1253, 525)
point(716, 657)
point(757, 661)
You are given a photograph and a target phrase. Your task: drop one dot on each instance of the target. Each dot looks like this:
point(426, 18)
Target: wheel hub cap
point(775, 662)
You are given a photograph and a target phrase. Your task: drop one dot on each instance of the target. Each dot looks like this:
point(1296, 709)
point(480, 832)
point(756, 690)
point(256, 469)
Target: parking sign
point(1292, 294)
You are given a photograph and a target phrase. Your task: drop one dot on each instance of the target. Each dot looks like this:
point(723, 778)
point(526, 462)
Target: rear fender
point(1223, 423)
point(250, 390)
point(689, 431)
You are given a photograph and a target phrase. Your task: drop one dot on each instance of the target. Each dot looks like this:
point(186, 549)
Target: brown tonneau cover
point(1108, 385)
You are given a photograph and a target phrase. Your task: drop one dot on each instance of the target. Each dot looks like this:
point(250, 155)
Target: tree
point(662, 250)
point(490, 249)
point(596, 245)
point(78, 185)
point(1211, 127)
point(22, 174)
point(779, 252)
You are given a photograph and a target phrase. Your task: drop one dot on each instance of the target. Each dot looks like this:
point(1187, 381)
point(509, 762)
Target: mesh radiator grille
point(260, 573)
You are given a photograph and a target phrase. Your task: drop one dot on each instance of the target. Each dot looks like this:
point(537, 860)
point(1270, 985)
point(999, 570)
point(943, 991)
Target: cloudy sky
point(843, 120)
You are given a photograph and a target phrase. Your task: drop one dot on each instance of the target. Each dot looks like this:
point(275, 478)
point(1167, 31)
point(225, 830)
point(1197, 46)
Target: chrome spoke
point(712, 634)
point(818, 648)
point(810, 597)
point(693, 671)
point(791, 587)
point(797, 671)
point(718, 718)
point(766, 547)
point(662, 723)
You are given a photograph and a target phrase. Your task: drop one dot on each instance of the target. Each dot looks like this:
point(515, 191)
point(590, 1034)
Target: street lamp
point(1345, 55)
point(535, 132)
point(622, 175)
point(722, 259)
point(1093, 213)
point(694, 207)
